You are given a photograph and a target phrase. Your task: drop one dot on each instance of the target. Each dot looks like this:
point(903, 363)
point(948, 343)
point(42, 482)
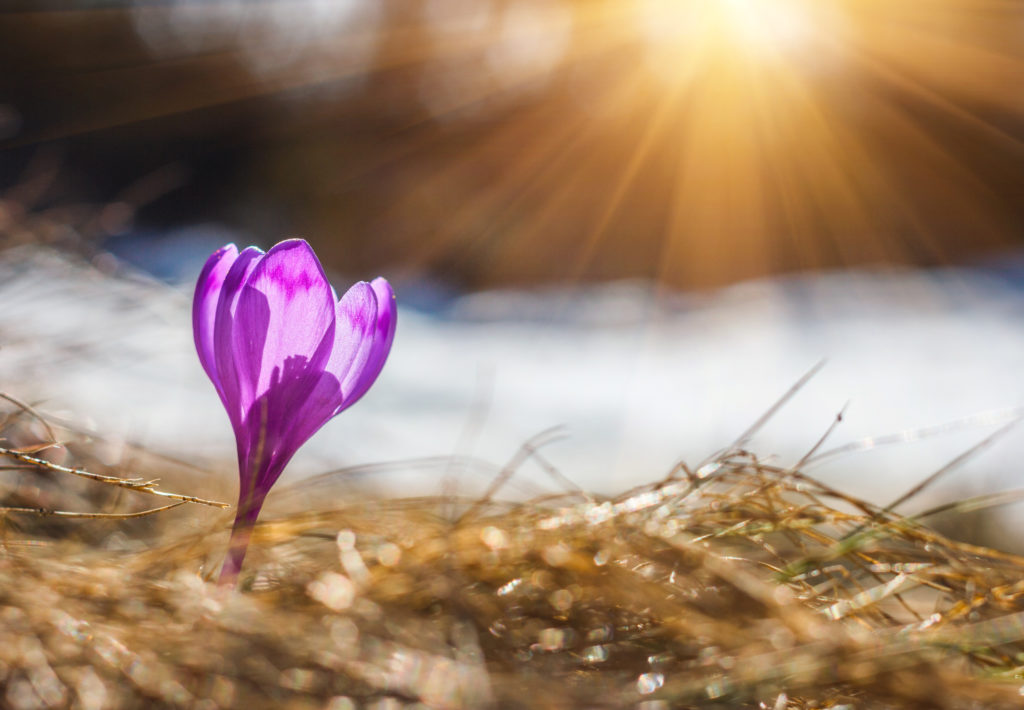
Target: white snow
point(639, 380)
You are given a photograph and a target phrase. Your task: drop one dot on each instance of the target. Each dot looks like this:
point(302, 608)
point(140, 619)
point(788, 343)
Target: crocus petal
point(289, 405)
point(355, 328)
point(357, 383)
point(285, 310)
point(204, 306)
point(320, 406)
point(352, 343)
point(364, 330)
point(223, 352)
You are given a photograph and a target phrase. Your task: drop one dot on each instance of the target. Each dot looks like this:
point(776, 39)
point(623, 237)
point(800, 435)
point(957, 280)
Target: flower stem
point(241, 532)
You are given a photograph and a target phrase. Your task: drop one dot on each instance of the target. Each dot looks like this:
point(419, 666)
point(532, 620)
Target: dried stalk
point(45, 512)
point(134, 484)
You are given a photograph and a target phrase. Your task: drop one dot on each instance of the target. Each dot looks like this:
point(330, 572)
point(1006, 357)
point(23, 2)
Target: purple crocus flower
point(285, 356)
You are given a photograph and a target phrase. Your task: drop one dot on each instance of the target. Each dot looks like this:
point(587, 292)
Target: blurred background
point(495, 142)
point(641, 218)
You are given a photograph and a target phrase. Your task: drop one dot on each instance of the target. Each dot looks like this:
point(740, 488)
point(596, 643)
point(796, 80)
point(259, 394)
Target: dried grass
point(741, 585)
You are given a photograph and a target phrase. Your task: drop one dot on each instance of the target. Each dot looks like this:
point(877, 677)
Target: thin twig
point(134, 484)
point(77, 429)
point(46, 512)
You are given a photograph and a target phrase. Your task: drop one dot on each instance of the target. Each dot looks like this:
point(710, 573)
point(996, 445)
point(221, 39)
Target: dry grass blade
point(976, 503)
point(28, 409)
point(822, 439)
point(1000, 416)
point(525, 452)
point(952, 465)
point(747, 435)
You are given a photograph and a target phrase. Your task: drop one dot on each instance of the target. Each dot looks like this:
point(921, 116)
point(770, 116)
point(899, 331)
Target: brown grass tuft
point(748, 585)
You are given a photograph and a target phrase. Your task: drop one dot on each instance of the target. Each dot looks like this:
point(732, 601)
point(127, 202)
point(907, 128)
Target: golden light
point(744, 129)
point(758, 28)
point(770, 24)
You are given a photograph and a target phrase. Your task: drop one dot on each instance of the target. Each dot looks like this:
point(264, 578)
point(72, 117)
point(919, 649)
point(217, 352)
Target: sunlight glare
point(743, 25)
point(768, 24)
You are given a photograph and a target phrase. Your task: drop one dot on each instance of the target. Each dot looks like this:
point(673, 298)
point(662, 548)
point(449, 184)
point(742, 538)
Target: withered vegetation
point(741, 584)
